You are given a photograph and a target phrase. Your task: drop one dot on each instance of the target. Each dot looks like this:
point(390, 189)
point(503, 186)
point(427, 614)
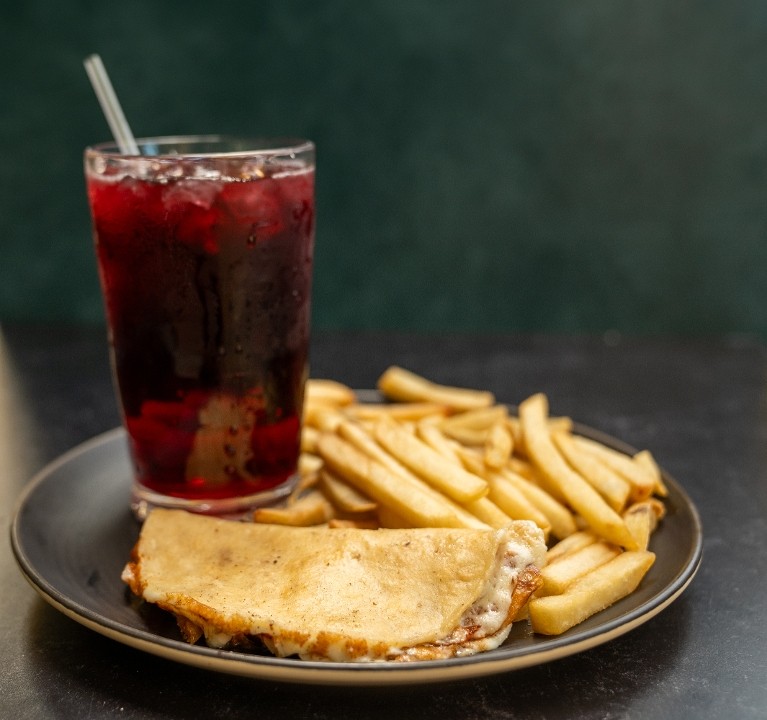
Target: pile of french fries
point(430, 455)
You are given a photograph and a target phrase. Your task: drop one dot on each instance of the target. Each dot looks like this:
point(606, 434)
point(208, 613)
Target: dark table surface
point(700, 406)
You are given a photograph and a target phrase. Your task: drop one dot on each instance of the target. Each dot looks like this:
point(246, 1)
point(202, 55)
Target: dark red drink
point(206, 272)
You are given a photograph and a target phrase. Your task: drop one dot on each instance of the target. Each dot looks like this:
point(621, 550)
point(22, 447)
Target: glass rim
point(252, 146)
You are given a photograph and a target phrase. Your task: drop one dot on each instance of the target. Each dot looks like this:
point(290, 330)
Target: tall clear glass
point(205, 248)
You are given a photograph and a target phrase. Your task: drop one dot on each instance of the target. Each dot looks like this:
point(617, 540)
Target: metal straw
point(110, 105)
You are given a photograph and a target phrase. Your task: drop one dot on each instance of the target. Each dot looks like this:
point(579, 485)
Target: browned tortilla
point(341, 594)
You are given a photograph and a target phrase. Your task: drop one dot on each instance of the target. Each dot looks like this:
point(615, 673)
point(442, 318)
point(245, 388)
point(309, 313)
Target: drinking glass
point(204, 249)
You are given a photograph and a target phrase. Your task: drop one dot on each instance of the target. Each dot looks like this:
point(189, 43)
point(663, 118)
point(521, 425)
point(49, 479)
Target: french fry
point(309, 437)
point(639, 521)
point(579, 494)
point(642, 519)
point(364, 441)
point(527, 469)
point(514, 503)
point(328, 392)
point(641, 479)
point(439, 472)
point(559, 517)
point(593, 592)
point(466, 435)
point(344, 496)
point(405, 386)
point(479, 419)
point(498, 445)
point(646, 460)
point(580, 523)
point(521, 467)
point(416, 506)
point(611, 486)
point(515, 428)
point(322, 417)
point(435, 419)
point(570, 544)
point(555, 424)
point(411, 498)
point(404, 411)
point(559, 575)
point(488, 512)
point(408, 426)
point(310, 509)
point(473, 427)
point(309, 463)
point(433, 436)
point(471, 459)
point(484, 509)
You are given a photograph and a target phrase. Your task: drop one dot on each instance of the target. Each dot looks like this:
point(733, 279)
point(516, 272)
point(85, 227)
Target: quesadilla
point(337, 594)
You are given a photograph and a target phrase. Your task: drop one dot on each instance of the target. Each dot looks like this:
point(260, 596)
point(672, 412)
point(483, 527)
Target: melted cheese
point(486, 624)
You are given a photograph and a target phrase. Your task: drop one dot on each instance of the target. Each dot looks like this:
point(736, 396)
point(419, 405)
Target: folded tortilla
point(337, 594)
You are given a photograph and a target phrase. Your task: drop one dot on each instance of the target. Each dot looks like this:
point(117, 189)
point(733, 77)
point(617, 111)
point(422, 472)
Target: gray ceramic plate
point(73, 532)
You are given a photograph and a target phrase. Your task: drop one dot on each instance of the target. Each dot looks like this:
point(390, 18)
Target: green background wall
point(482, 165)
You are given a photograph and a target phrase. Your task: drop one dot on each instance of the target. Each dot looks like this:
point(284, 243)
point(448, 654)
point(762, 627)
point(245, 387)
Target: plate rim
point(326, 673)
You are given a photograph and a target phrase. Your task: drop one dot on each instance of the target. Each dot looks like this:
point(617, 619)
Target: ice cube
point(200, 193)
